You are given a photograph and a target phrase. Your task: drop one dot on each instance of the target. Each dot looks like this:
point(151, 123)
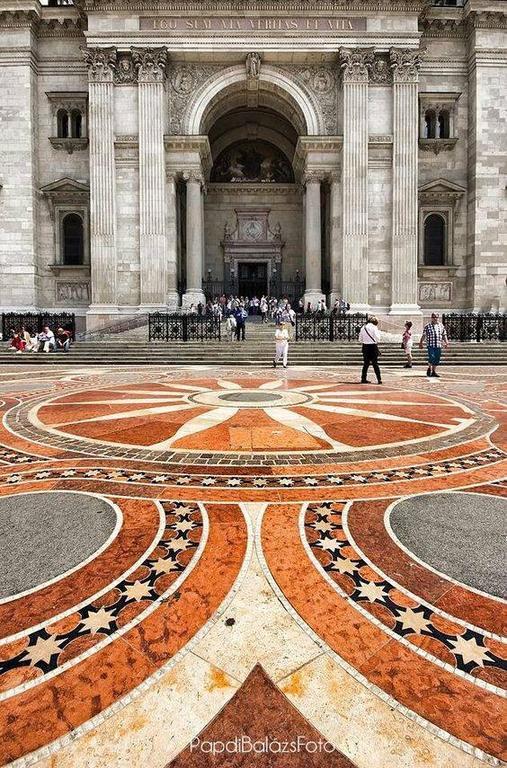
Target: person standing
point(281, 344)
point(369, 337)
point(407, 343)
point(435, 336)
point(241, 315)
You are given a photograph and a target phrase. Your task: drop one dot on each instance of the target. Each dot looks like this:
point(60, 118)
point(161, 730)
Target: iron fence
point(165, 327)
point(475, 326)
point(35, 322)
point(320, 327)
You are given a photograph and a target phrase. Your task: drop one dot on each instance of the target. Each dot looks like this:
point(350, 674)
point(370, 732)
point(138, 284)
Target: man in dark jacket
point(241, 315)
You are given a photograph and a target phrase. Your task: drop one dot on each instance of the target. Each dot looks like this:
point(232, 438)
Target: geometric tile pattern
point(464, 649)
point(178, 451)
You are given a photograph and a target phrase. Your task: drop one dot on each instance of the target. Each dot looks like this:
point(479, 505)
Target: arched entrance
point(253, 209)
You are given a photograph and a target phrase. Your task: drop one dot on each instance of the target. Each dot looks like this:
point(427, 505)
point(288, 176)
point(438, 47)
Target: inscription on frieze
point(225, 24)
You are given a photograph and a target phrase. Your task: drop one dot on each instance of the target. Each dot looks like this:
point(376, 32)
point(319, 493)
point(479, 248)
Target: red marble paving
point(366, 525)
point(259, 710)
point(450, 702)
point(140, 524)
point(57, 706)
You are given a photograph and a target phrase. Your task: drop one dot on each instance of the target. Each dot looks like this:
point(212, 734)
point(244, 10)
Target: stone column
point(101, 62)
point(313, 238)
point(405, 64)
point(335, 238)
point(194, 293)
point(355, 64)
point(172, 299)
point(151, 65)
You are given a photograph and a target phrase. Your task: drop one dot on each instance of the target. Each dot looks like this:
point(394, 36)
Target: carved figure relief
point(380, 71)
point(253, 65)
point(183, 80)
point(253, 161)
point(435, 292)
point(321, 83)
point(124, 71)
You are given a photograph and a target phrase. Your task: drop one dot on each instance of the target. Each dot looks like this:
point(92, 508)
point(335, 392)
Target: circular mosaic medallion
point(277, 419)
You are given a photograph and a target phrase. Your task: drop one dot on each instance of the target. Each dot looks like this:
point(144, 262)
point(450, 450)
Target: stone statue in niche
point(253, 65)
point(254, 162)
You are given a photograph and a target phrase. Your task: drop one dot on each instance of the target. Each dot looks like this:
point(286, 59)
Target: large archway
point(253, 217)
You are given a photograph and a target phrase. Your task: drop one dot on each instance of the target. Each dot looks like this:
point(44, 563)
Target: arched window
point(443, 125)
point(73, 239)
point(434, 240)
point(430, 124)
point(63, 124)
point(76, 121)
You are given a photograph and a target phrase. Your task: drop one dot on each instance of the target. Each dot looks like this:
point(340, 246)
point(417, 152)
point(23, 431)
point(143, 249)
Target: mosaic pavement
point(189, 553)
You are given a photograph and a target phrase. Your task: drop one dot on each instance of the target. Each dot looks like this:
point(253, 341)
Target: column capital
point(313, 177)
point(193, 176)
point(100, 63)
point(405, 63)
point(355, 64)
point(150, 64)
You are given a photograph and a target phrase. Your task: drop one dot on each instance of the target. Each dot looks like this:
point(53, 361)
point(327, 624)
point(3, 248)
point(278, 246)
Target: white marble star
point(43, 650)
point(469, 650)
point(137, 590)
point(372, 591)
point(96, 620)
point(409, 619)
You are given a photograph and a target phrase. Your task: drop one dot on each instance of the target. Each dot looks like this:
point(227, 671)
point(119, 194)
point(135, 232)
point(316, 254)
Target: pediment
point(442, 186)
point(65, 186)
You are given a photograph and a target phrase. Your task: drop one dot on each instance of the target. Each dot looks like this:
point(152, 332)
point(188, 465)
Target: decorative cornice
point(101, 63)
point(150, 64)
point(69, 145)
point(487, 20)
point(437, 145)
point(405, 63)
point(442, 27)
point(355, 64)
point(17, 19)
point(370, 6)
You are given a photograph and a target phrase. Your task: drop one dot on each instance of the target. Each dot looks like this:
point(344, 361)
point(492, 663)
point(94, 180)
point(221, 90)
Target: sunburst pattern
point(227, 415)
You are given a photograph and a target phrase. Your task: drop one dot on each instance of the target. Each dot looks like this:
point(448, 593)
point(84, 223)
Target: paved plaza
point(190, 555)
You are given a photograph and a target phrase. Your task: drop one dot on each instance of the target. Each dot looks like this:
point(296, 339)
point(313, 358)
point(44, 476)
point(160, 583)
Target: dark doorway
point(253, 279)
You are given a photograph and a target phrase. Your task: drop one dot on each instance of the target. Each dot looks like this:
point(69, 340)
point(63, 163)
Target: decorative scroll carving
point(320, 82)
point(150, 64)
point(124, 71)
point(185, 79)
point(101, 63)
point(405, 64)
point(253, 65)
point(380, 71)
point(355, 64)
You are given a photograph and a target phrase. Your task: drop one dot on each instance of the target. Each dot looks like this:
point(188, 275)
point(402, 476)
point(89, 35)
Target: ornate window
point(68, 202)
point(70, 119)
point(438, 201)
point(438, 121)
point(435, 235)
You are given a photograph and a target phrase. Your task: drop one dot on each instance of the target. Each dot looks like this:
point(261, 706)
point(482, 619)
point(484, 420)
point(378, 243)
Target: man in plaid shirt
point(435, 336)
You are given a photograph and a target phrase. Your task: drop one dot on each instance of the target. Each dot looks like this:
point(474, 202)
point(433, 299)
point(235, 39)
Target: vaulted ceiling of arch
point(252, 124)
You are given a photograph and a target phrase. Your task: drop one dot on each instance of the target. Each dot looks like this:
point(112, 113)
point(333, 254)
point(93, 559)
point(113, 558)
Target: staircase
point(257, 350)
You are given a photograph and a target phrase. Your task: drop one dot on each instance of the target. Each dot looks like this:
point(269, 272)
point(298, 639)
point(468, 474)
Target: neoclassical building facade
point(155, 152)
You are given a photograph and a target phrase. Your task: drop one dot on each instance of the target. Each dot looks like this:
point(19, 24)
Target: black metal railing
point(475, 326)
point(35, 322)
point(315, 327)
point(162, 327)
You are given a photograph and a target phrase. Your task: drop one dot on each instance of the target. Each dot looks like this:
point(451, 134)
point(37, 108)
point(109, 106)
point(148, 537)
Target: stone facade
point(163, 90)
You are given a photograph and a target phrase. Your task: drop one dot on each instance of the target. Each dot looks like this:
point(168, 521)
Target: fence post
point(331, 328)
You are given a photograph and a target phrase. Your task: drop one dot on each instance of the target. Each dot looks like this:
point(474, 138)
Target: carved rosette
point(355, 64)
point(101, 63)
point(405, 64)
point(150, 64)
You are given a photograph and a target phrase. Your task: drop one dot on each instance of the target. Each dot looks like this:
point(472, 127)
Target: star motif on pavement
point(183, 480)
point(161, 479)
point(96, 620)
point(328, 545)
point(69, 473)
point(336, 480)
point(135, 478)
point(208, 481)
point(344, 565)
point(234, 481)
point(259, 482)
point(137, 590)
point(183, 525)
point(372, 591)
point(310, 481)
point(43, 650)
point(413, 620)
point(324, 526)
point(469, 650)
point(178, 544)
point(165, 565)
point(286, 481)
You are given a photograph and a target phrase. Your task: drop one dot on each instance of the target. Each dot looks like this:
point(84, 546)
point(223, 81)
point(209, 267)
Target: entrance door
point(253, 279)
